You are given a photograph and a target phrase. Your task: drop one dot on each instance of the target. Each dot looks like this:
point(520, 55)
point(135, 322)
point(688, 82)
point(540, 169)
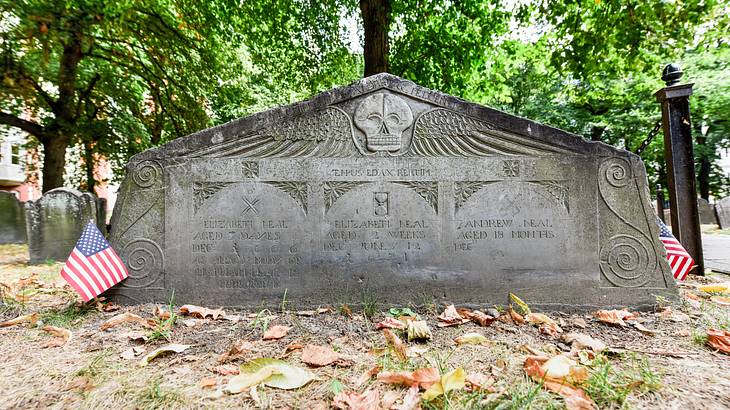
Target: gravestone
point(55, 222)
point(706, 211)
point(12, 219)
point(723, 212)
point(390, 191)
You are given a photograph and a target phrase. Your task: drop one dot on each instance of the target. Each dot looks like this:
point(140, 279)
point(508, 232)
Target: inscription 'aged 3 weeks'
point(388, 188)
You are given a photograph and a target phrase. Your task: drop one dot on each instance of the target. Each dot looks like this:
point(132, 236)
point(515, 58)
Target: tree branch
point(25, 125)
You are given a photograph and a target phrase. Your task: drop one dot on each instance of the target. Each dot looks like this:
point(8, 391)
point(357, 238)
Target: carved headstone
point(55, 222)
point(706, 211)
point(723, 212)
point(12, 219)
point(393, 190)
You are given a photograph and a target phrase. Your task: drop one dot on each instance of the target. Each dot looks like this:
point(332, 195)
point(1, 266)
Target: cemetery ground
point(57, 356)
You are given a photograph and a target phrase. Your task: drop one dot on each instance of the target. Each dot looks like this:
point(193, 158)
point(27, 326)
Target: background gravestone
point(55, 222)
point(723, 212)
point(393, 192)
point(706, 211)
point(12, 219)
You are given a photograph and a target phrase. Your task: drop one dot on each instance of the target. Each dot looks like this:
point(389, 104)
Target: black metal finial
point(671, 74)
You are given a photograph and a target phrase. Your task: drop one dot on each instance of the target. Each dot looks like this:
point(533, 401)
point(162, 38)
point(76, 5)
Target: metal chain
point(649, 138)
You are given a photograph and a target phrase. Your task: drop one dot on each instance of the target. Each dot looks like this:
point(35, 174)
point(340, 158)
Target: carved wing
point(441, 132)
point(324, 133)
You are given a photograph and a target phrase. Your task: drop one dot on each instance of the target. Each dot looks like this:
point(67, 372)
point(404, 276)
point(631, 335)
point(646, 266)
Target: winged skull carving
point(441, 132)
point(324, 133)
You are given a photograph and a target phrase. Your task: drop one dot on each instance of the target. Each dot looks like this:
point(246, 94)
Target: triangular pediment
point(382, 115)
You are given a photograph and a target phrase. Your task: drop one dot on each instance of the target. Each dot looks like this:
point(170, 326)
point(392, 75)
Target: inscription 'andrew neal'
point(389, 189)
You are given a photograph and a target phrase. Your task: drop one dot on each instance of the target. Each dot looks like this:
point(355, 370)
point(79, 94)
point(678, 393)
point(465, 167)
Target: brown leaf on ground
point(721, 300)
point(318, 356)
point(390, 323)
point(367, 376)
point(450, 317)
point(208, 382)
point(131, 353)
point(643, 329)
point(125, 318)
point(558, 374)
point(479, 317)
point(171, 348)
point(551, 329)
point(580, 341)
point(471, 338)
point(137, 336)
point(30, 318)
point(411, 401)
point(579, 323)
point(578, 402)
point(719, 339)
point(517, 318)
point(236, 351)
point(161, 313)
point(81, 384)
point(614, 317)
point(345, 310)
point(538, 319)
point(192, 322)
point(389, 398)
point(418, 330)
point(396, 343)
point(291, 347)
point(424, 377)
point(356, 401)
point(106, 306)
point(479, 381)
point(61, 336)
point(201, 312)
point(225, 369)
point(276, 332)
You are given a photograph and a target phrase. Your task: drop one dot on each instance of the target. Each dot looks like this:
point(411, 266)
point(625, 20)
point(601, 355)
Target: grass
point(94, 368)
point(157, 397)
point(369, 301)
point(68, 317)
point(163, 327)
point(524, 394)
point(609, 386)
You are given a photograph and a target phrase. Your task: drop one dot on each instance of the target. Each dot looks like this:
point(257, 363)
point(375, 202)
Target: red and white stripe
point(93, 275)
point(679, 260)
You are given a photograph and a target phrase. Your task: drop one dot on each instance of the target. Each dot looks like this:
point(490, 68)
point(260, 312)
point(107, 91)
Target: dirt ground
point(667, 366)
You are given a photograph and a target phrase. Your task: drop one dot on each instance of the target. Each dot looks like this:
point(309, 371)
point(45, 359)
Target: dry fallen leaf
point(719, 339)
point(481, 318)
point(270, 372)
point(516, 317)
point(208, 382)
point(479, 381)
point(643, 329)
point(236, 351)
point(453, 380)
point(524, 308)
point(418, 330)
point(450, 317)
point(558, 374)
point(161, 313)
point(137, 336)
point(424, 377)
point(61, 336)
point(363, 378)
point(390, 323)
point(471, 338)
point(201, 312)
point(715, 288)
point(30, 318)
point(721, 300)
point(276, 332)
point(580, 341)
point(357, 401)
point(171, 348)
point(125, 318)
point(614, 317)
point(396, 343)
point(225, 369)
point(411, 401)
point(318, 356)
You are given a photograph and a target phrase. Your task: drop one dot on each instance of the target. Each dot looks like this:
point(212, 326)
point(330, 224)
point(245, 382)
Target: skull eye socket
point(374, 119)
point(392, 119)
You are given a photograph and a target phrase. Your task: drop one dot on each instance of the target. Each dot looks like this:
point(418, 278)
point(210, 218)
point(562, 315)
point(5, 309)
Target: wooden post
point(660, 202)
point(679, 157)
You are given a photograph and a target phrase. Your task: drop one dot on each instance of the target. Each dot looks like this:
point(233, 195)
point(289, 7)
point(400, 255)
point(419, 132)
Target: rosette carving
point(627, 261)
point(145, 262)
point(147, 174)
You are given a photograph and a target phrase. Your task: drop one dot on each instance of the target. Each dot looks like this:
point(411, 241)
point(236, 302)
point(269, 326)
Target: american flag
point(93, 266)
point(679, 260)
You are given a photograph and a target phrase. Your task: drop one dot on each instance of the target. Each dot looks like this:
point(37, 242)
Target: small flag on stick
point(679, 260)
point(93, 266)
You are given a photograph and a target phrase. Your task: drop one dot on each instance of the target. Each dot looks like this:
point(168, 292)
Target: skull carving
point(383, 118)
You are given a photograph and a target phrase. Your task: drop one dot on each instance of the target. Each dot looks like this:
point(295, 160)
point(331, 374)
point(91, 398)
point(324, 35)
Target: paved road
point(717, 252)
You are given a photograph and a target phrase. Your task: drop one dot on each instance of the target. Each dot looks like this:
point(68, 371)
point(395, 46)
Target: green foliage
point(610, 385)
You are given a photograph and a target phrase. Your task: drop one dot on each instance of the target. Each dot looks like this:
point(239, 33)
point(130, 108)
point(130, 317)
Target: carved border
point(297, 190)
point(428, 190)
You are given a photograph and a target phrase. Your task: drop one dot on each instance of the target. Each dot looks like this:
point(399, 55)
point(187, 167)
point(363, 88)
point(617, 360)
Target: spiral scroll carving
point(618, 172)
point(145, 263)
point(627, 261)
point(147, 173)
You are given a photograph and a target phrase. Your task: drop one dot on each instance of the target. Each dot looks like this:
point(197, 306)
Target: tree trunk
point(89, 164)
point(376, 21)
point(54, 161)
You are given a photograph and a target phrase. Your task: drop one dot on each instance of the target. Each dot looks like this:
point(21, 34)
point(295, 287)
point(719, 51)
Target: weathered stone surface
point(706, 211)
point(12, 219)
point(723, 212)
point(390, 191)
point(55, 222)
